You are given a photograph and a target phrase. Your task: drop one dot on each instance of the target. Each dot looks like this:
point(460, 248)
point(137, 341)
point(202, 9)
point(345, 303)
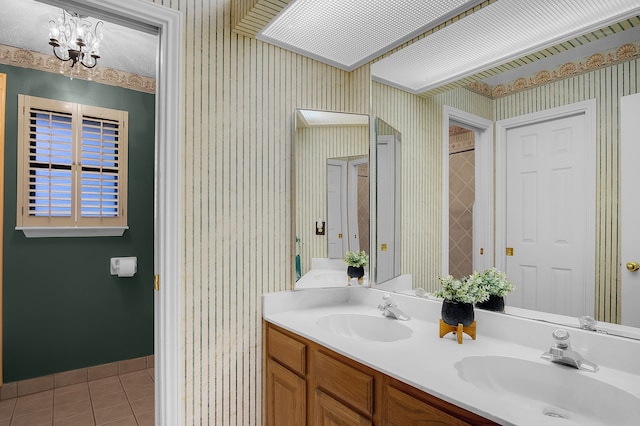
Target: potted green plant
point(356, 261)
point(496, 284)
point(458, 296)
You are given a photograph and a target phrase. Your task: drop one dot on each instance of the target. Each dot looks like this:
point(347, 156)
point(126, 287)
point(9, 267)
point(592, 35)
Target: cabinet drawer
point(288, 351)
point(344, 382)
point(403, 409)
point(328, 411)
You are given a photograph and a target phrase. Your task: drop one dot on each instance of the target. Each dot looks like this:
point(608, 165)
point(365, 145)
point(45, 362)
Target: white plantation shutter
point(50, 164)
point(100, 160)
point(72, 166)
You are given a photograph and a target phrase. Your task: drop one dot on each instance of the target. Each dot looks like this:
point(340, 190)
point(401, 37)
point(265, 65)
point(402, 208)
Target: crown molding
point(38, 61)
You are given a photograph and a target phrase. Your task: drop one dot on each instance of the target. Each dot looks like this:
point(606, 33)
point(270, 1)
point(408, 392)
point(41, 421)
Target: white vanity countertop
point(426, 361)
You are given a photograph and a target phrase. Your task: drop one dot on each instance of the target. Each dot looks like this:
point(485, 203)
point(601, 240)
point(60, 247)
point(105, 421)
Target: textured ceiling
point(25, 24)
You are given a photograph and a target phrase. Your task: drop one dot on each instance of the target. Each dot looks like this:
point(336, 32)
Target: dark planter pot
point(355, 271)
point(494, 303)
point(454, 313)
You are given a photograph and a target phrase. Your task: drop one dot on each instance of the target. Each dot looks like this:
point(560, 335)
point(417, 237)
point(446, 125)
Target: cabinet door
point(329, 412)
point(403, 409)
point(286, 396)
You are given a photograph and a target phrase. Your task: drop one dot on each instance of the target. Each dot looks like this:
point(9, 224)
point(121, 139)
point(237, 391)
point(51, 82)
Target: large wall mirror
point(440, 164)
point(331, 178)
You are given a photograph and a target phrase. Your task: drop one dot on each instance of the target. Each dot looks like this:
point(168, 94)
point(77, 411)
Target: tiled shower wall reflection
point(461, 199)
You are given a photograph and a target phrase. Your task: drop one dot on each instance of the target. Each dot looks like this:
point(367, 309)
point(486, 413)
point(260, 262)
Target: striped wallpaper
point(239, 97)
point(238, 101)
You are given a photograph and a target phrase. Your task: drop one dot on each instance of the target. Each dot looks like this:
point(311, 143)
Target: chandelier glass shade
point(75, 39)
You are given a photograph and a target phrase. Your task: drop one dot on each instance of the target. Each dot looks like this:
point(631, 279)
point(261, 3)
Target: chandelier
point(73, 39)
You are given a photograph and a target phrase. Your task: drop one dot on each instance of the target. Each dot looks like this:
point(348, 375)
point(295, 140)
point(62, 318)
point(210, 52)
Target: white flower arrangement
point(461, 291)
point(475, 288)
point(356, 258)
point(494, 281)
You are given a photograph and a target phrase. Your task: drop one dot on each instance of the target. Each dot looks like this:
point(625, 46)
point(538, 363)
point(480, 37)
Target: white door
point(336, 208)
point(629, 208)
point(388, 218)
point(548, 211)
point(353, 200)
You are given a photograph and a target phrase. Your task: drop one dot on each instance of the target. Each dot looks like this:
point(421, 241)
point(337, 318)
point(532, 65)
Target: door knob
point(633, 266)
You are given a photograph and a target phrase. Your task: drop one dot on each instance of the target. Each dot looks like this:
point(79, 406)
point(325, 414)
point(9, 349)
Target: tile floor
point(124, 400)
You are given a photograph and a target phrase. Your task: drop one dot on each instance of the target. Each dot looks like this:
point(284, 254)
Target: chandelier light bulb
point(73, 39)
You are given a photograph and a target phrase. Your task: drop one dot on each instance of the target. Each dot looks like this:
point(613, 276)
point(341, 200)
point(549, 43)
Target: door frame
point(353, 201)
point(483, 208)
point(147, 16)
point(588, 108)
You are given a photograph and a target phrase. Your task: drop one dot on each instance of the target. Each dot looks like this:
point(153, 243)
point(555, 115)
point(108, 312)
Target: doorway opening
point(462, 193)
point(467, 193)
point(146, 16)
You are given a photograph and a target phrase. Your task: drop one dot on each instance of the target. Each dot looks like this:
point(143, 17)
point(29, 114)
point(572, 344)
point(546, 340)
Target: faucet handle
point(561, 337)
point(587, 322)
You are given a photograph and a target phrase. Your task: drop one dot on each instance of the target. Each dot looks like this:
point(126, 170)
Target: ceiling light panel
point(502, 31)
point(349, 33)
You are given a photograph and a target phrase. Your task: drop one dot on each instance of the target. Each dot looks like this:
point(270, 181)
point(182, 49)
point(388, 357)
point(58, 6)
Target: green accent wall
point(62, 309)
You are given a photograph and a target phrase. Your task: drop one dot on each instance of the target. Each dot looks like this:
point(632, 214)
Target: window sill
point(44, 232)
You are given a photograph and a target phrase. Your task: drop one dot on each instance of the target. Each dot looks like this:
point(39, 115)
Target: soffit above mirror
point(496, 34)
point(350, 33)
point(559, 33)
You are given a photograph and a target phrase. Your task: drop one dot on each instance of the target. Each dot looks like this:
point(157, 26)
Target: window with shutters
point(72, 169)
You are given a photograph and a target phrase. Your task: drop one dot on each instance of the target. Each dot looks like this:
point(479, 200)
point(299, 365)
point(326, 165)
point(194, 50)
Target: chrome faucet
point(561, 353)
point(389, 309)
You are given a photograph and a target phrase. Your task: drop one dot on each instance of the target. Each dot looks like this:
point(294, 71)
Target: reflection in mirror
point(388, 186)
point(521, 91)
point(347, 205)
point(331, 180)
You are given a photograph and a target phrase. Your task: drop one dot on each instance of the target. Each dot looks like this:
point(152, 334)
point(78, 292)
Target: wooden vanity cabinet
point(307, 383)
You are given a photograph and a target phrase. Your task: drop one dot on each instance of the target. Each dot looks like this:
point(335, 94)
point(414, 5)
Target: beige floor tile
point(31, 405)
point(127, 421)
point(39, 395)
point(38, 418)
point(112, 414)
point(6, 408)
point(108, 400)
point(136, 378)
point(141, 405)
point(126, 400)
point(71, 409)
point(146, 419)
point(84, 419)
point(105, 387)
point(67, 397)
point(71, 388)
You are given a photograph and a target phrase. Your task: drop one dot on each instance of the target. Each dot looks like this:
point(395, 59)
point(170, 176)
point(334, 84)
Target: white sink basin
point(551, 390)
point(366, 327)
